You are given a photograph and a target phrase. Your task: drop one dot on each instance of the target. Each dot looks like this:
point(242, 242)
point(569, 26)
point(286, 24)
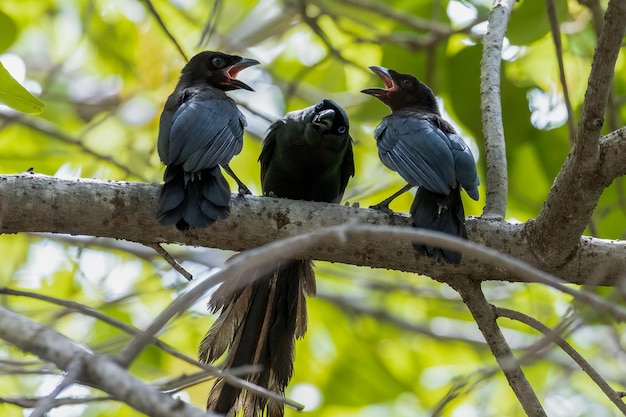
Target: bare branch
point(491, 106)
point(614, 396)
point(613, 155)
point(485, 317)
point(50, 130)
point(37, 203)
point(170, 260)
point(97, 370)
point(47, 403)
point(600, 82)
point(410, 20)
point(165, 29)
point(556, 37)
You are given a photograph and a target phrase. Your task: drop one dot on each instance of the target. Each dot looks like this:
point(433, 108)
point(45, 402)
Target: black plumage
point(417, 143)
point(200, 130)
point(307, 155)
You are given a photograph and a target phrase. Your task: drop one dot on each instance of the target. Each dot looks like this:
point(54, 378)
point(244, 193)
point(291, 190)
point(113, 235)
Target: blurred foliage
point(379, 342)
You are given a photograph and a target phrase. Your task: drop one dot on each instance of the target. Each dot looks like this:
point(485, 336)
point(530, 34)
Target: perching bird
point(307, 155)
point(201, 128)
point(425, 150)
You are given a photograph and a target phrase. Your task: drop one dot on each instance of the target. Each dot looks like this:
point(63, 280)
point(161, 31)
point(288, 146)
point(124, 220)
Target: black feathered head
point(402, 90)
point(217, 69)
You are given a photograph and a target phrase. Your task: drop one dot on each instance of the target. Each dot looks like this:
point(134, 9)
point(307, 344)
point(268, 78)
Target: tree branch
point(485, 317)
point(491, 109)
point(613, 155)
point(96, 370)
point(556, 231)
point(567, 348)
point(556, 38)
point(122, 210)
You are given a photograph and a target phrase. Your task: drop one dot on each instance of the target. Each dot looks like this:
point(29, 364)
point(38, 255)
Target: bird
point(201, 129)
point(417, 143)
point(307, 155)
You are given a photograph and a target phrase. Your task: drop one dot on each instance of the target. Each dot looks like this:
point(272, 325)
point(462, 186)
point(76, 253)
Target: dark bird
point(307, 155)
point(425, 150)
point(200, 130)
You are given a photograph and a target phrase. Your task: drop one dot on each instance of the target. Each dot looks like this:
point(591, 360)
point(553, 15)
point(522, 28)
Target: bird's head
point(402, 90)
point(218, 70)
point(328, 117)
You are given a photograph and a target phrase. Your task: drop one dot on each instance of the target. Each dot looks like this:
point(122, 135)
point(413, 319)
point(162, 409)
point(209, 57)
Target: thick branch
point(122, 210)
point(556, 231)
point(613, 155)
point(96, 370)
point(600, 81)
point(491, 106)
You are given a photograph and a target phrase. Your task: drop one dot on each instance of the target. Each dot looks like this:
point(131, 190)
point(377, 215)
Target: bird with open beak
point(417, 143)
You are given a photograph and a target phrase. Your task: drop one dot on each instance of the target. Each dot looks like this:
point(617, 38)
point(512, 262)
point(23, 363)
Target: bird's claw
point(383, 207)
point(243, 191)
point(355, 204)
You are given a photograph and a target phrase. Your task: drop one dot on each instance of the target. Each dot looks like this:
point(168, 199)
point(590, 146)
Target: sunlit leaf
point(14, 95)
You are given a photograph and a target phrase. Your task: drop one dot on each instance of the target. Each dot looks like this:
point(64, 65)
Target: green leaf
point(8, 32)
point(14, 95)
point(529, 21)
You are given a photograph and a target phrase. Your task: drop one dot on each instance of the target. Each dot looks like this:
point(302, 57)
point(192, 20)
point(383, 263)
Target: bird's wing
point(204, 131)
point(269, 144)
point(347, 169)
point(465, 166)
point(418, 150)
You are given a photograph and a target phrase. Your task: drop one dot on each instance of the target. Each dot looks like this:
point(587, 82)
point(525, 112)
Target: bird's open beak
point(235, 69)
point(383, 74)
point(324, 120)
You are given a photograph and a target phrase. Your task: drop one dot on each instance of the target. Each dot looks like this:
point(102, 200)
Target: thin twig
point(353, 306)
point(45, 404)
point(613, 395)
point(31, 402)
point(163, 27)
point(170, 260)
point(211, 25)
point(408, 19)
point(50, 130)
point(491, 108)
point(556, 38)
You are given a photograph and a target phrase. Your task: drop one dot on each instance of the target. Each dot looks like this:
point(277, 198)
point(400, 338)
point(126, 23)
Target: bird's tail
point(193, 199)
point(442, 213)
point(258, 324)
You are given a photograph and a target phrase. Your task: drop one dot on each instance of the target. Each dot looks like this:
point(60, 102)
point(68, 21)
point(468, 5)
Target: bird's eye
point(319, 106)
point(218, 62)
point(342, 129)
point(406, 83)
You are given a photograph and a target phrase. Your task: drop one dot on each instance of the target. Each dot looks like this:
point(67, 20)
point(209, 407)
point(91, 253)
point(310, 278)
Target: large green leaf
point(14, 95)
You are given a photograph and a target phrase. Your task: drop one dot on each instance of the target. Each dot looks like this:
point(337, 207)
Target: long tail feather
point(196, 200)
point(258, 324)
point(442, 213)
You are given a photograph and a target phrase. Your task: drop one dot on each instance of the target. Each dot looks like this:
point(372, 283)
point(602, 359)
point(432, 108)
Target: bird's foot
point(243, 191)
point(382, 206)
point(355, 204)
